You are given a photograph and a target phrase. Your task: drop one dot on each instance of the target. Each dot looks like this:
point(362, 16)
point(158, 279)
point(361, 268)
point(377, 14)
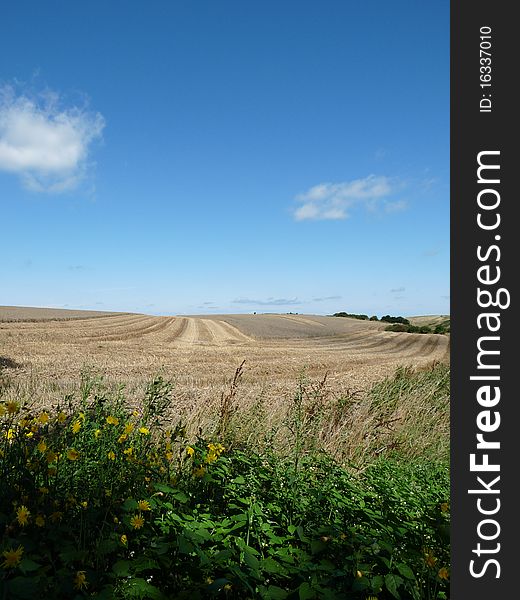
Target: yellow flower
point(42, 447)
point(29, 435)
point(43, 490)
point(40, 520)
point(128, 451)
point(124, 540)
point(190, 450)
point(22, 515)
point(61, 417)
point(143, 505)
point(72, 454)
point(82, 416)
point(76, 426)
point(51, 456)
point(444, 507)
point(56, 516)
point(129, 427)
point(144, 430)
point(359, 574)
point(112, 420)
point(43, 418)
point(199, 471)
point(137, 521)
point(80, 580)
point(84, 504)
point(169, 455)
point(12, 407)
point(12, 557)
point(111, 455)
point(122, 438)
point(443, 573)
point(430, 559)
point(9, 434)
point(97, 433)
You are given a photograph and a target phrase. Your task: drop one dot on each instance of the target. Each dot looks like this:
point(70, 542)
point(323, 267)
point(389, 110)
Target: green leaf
point(305, 591)
point(121, 568)
point(181, 497)
point(27, 565)
point(25, 588)
point(251, 561)
point(405, 571)
point(391, 585)
point(239, 480)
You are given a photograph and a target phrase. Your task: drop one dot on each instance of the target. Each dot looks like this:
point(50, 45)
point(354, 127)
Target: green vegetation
point(102, 501)
point(389, 319)
point(440, 328)
point(354, 316)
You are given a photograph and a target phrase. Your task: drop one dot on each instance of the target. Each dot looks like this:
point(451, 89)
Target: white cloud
point(333, 201)
point(45, 144)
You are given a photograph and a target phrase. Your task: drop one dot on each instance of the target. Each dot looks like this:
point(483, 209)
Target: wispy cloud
point(333, 201)
point(397, 290)
point(44, 142)
point(327, 298)
point(268, 302)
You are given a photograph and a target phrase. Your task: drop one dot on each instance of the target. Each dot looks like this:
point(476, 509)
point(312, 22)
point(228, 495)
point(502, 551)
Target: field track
point(205, 350)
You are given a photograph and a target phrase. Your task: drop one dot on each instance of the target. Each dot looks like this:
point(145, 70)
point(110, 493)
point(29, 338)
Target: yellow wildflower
point(12, 407)
point(190, 450)
point(359, 574)
point(143, 505)
point(84, 504)
point(144, 430)
point(51, 457)
point(40, 520)
point(112, 420)
point(42, 447)
point(122, 438)
point(61, 417)
point(22, 515)
point(430, 559)
point(137, 521)
point(12, 557)
point(43, 490)
point(199, 471)
point(129, 427)
point(56, 516)
point(72, 454)
point(111, 455)
point(444, 507)
point(443, 573)
point(10, 434)
point(124, 540)
point(97, 433)
point(80, 580)
point(129, 451)
point(82, 416)
point(43, 418)
point(76, 426)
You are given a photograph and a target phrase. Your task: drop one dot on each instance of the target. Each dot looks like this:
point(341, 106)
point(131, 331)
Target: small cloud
point(76, 267)
point(268, 302)
point(326, 298)
point(45, 143)
point(395, 207)
point(334, 201)
point(397, 290)
point(208, 303)
point(431, 252)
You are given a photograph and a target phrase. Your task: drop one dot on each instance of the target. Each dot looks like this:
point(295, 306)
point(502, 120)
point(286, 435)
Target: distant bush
point(374, 318)
point(390, 319)
point(351, 316)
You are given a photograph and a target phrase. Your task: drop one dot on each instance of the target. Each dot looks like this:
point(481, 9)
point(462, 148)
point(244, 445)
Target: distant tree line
point(400, 324)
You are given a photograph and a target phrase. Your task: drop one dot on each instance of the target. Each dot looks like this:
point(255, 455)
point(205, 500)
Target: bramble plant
point(102, 501)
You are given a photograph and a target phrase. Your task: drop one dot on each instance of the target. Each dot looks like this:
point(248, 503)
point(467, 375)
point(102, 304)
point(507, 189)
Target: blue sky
point(195, 157)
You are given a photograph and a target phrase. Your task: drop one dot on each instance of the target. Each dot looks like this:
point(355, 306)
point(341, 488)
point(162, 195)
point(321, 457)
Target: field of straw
point(342, 357)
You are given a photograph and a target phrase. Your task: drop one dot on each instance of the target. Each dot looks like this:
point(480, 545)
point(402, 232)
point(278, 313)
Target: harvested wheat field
point(201, 353)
